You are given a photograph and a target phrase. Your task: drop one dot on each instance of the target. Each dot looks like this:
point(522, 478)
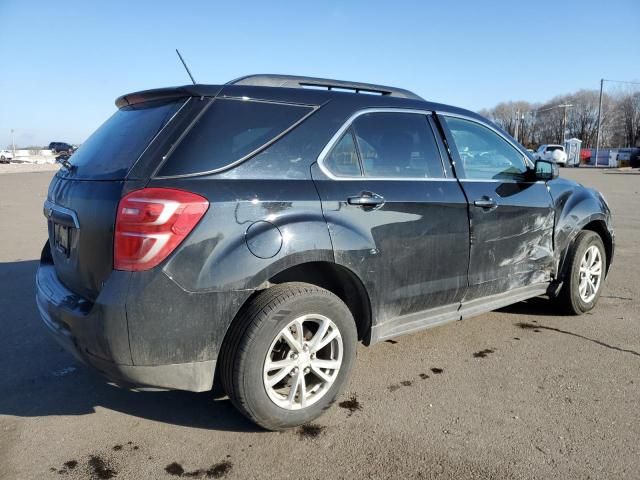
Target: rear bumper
point(97, 335)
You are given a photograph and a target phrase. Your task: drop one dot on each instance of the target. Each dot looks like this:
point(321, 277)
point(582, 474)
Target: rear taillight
point(151, 223)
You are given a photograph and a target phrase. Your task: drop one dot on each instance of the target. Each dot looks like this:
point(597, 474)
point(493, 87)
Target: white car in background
point(551, 152)
point(6, 156)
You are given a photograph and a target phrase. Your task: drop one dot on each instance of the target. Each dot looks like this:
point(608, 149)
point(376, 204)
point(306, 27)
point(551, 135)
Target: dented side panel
point(511, 244)
point(575, 207)
point(412, 253)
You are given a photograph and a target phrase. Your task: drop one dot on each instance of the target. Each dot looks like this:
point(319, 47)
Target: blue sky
point(64, 63)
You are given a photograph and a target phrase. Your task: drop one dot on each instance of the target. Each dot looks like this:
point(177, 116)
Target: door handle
point(366, 199)
point(486, 203)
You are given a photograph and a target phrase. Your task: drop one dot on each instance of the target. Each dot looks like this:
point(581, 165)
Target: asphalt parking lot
point(519, 393)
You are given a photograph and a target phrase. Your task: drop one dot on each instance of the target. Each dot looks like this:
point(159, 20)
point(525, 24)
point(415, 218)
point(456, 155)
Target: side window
point(397, 145)
point(228, 131)
point(485, 154)
point(343, 159)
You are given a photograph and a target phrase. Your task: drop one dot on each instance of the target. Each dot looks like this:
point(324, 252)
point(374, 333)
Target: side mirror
point(546, 170)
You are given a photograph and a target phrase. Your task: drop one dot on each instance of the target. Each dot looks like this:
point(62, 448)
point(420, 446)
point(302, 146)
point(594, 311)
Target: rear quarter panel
point(211, 275)
point(215, 257)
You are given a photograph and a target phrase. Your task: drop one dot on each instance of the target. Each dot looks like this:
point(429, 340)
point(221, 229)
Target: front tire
point(586, 269)
point(288, 354)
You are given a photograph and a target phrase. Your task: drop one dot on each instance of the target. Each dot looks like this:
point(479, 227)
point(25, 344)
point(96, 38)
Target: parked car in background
point(585, 155)
point(252, 233)
point(635, 158)
point(552, 152)
point(6, 156)
point(629, 157)
point(62, 147)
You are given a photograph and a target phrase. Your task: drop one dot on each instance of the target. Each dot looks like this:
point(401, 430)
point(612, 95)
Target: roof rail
point(293, 81)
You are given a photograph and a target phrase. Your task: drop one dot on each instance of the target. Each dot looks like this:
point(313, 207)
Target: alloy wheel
point(590, 274)
point(303, 362)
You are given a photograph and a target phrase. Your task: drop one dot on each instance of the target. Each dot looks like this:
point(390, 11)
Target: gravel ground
point(519, 393)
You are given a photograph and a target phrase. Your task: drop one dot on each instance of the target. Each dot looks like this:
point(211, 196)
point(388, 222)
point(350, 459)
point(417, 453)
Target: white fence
point(34, 156)
point(36, 153)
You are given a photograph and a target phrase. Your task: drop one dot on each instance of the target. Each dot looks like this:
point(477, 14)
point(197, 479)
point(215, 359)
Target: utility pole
point(598, 125)
point(564, 115)
point(13, 144)
point(564, 120)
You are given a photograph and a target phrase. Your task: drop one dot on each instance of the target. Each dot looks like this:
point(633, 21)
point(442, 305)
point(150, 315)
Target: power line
point(621, 81)
point(554, 107)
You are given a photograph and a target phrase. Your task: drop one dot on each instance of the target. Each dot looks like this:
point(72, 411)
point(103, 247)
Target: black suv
point(254, 232)
point(61, 147)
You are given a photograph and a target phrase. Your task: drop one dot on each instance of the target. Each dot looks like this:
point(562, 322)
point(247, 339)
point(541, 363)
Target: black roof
point(296, 89)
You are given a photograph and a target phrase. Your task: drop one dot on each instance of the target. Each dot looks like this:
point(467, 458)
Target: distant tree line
point(538, 123)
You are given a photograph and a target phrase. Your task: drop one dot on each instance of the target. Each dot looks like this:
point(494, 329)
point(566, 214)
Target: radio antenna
point(185, 66)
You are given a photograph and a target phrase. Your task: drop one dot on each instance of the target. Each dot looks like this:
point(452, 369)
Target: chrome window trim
point(493, 129)
point(349, 122)
point(495, 180)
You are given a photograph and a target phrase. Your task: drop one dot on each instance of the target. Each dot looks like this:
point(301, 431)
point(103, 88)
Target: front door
point(510, 214)
point(395, 218)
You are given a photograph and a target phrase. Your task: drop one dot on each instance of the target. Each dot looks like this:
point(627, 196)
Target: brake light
point(151, 223)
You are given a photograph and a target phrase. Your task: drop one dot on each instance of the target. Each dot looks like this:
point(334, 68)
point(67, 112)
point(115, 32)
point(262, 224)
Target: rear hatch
point(83, 196)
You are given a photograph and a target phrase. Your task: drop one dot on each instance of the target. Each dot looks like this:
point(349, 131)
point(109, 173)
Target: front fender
point(577, 207)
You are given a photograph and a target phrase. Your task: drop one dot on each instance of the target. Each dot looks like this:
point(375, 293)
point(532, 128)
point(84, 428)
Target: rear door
point(510, 214)
point(395, 217)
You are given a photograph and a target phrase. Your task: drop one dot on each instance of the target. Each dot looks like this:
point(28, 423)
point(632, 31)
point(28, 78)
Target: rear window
point(229, 131)
point(554, 148)
point(111, 151)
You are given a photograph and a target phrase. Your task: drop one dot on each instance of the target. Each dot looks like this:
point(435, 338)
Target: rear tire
point(270, 351)
point(583, 284)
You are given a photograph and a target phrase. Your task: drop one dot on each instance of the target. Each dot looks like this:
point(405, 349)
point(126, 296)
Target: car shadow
point(537, 306)
point(38, 378)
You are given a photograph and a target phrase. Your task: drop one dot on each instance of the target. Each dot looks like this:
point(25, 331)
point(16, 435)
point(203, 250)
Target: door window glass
point(397, 145)
point(343, 159)
point(484, 154)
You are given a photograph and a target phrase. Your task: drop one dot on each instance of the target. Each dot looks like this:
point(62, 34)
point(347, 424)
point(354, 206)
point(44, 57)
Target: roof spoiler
point(167, 94)
point(293, 81)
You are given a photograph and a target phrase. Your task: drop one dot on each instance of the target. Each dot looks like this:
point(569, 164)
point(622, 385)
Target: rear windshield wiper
point(64, 161)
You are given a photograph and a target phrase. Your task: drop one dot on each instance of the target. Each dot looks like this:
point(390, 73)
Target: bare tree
point(513, 117)
point(543, 123)
point(582, 118)
point(549, 121)
point(628, 119)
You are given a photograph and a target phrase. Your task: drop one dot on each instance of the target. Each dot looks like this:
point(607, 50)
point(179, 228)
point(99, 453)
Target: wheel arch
point(325, 274)
point(328, 275)
point(578, 208)
point(339, 280)
point(600, 227)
